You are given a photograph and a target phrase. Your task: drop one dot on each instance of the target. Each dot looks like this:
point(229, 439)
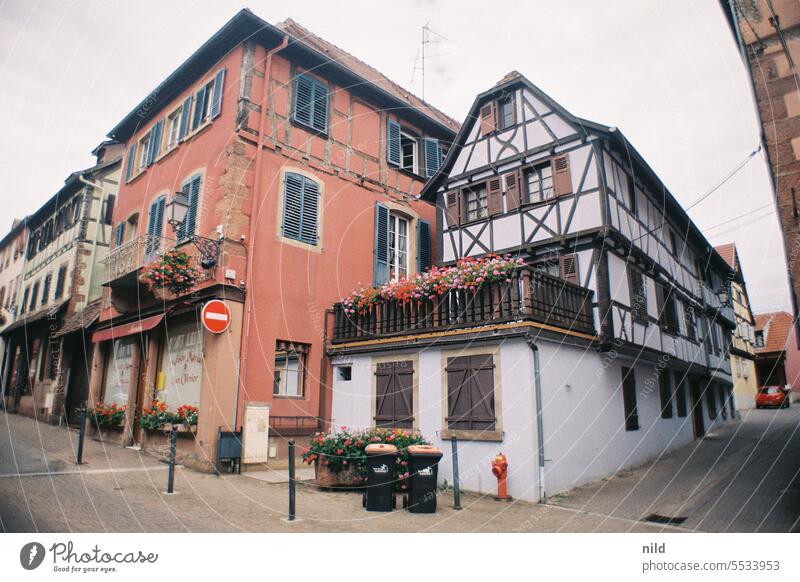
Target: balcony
point(529, 296)
point(123, 263)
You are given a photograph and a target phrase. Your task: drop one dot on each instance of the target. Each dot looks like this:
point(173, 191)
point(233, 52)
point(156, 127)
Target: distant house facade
point(743, 365)
point(61, 276)
point(777, 354)
point(12, 259)
point(302, 169)
point(606, 349)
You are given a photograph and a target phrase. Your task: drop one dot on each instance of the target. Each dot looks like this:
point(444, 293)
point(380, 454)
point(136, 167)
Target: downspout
point(537, 397)
point(248, 300)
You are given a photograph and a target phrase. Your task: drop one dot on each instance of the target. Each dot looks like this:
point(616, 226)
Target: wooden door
point(697, 409)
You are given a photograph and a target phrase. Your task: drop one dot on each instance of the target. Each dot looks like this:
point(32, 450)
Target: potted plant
point(186, 418)
point(340, 459)
point(105, 418)
point(155, 416)
point(174, 271)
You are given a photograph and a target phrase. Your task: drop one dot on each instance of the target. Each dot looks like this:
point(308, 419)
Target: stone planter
point(342, 480)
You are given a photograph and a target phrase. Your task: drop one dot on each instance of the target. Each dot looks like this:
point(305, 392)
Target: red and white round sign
point(216, 316)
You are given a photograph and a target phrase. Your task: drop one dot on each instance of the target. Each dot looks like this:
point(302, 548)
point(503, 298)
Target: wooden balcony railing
point(530, 295)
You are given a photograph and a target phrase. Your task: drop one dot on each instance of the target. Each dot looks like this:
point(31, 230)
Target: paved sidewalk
point(120, 490)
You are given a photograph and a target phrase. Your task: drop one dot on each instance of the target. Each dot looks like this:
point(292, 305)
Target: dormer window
point(408, 149)
point(498, 114)
point(505, 109)
point(759, 339)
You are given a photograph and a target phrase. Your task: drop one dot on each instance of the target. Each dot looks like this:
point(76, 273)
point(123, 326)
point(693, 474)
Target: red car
point(772, 396)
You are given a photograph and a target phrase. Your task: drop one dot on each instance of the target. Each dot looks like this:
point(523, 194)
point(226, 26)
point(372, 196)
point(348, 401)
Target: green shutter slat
point(308, 222)
point(423, 245)
point(293, 206)
point(393, 153)
point(131, 162)
point(433, 156)
point(186, 111)
point(216, 99)
point(199, 107)
point(120, 233)
point(155, 142)
point(194, 206)
point(320, 108)
point(303, 99)
point(381, 251)
point(159, 216)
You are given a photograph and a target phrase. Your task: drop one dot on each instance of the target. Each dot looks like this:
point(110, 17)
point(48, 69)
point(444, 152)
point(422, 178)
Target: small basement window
point(344, 373)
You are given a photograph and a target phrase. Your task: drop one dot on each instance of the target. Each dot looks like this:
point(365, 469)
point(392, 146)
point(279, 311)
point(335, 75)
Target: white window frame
point(142, 150)
point(404, 135)
point(397, 251)
point(281, 374)
point(173, 123)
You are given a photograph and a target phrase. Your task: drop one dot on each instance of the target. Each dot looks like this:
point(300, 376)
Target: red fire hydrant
point(500, 470)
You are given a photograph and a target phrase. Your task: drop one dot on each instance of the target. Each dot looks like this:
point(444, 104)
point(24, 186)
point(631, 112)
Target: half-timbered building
point(608, 348)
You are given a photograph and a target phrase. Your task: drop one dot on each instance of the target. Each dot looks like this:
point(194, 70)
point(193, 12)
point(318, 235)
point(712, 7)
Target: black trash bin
point(423, 466)
point(379, 495)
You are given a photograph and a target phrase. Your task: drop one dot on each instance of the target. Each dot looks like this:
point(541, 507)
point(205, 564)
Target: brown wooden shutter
point(394, 393)
point(495, 191)
point(452, 202)
point(488, 123)
point(512, 190)
point(568, 266)
point(562, 180)
point(470, 393)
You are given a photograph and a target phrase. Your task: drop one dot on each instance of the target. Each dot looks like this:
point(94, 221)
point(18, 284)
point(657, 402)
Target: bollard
point(456, 485)
point(173, 446)
point(81, 434)
point(291, 481)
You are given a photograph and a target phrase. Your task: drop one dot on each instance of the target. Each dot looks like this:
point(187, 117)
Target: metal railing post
point(292, 481)
point(173, 446)
point(81, 435)
point(456, 484)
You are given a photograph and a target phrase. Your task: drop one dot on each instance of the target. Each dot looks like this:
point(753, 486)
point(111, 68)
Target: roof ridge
point(287, 23)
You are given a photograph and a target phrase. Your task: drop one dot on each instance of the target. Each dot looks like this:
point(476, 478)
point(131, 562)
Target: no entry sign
point(216, 316)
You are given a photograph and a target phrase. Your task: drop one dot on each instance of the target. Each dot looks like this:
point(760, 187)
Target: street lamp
point(177, 211)
point(723, 296)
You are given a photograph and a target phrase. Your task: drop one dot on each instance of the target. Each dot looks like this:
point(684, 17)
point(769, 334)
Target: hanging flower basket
point(467, 274)
point(174, 271)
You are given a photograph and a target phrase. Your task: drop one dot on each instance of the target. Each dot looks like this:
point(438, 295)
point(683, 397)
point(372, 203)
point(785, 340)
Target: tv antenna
point(429, 37)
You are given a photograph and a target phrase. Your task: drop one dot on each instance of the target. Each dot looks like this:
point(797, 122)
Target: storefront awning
point(132, 328)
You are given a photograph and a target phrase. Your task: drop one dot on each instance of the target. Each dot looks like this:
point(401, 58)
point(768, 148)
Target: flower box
point(339, 480)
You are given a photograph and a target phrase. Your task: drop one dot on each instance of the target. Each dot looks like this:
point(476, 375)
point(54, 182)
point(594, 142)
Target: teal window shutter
point(131, 162)
point(155, 142)
point(300, 208)
point(216, 99)
point(192, 190)
point(381, 254)
point(119, 235)
point(186, 111)
point(303, 99)
point(308, 226)
point(199, 107)
point(311, 103)
point(393, 152)
point(160, 203)
point(432, 151)
point(423, 246)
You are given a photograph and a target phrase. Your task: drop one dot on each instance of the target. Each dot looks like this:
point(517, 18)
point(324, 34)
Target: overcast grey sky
point(666, 73)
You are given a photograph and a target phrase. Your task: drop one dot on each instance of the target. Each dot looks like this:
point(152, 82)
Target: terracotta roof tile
point(728, 252)
point(776, 327)
point(364, 70)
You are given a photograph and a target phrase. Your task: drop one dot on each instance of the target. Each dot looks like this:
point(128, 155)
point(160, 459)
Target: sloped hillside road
point(744, 477)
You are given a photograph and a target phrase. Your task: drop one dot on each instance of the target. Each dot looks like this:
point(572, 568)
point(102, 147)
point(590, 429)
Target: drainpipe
point(248, 299)
point(530, 340)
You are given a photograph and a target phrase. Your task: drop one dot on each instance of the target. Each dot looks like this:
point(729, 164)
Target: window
point(155, 224)
point(629, 399)
point(759, 339)
point(723, 401)
point(108, 209)
point(673, 243)
point(689, 318)
point(311, 103)
point(505, 108)
point(408, 152)
point(344, 373)
point(394, 394)
point(667, 311)
point(300, 208)
point(665, 393)
point(34, 296)
point(398, 247)
point(46, 288)
point(470, 393)
point(289, 369)
point(143, 148)
point(631, 194)
point(680, 396)
point(539, 182)
point(638, 295)
point(60, 280)
point(476, 203)
point(173, 129)
point(24, 303)
point(568, 269)
point(434, 155)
